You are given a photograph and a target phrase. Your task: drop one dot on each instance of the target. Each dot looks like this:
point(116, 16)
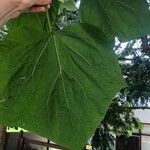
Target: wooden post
point(2, 137)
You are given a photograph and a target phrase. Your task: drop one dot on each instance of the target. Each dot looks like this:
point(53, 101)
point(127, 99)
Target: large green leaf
point(127, 19)
point(58, 85)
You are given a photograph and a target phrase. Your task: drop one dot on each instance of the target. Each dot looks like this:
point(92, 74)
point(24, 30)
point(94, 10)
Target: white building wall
point(144, 116)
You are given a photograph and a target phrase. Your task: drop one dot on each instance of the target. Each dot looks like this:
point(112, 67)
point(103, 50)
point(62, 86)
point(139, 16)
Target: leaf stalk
point(48, 19)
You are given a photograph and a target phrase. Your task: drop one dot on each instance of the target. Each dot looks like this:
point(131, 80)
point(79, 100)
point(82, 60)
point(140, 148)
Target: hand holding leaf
point(10, 9)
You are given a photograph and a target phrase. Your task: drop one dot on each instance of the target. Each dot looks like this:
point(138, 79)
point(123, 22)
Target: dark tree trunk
point(145, 46)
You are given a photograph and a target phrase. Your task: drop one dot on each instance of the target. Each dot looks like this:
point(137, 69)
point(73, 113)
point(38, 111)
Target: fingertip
point(48, 6)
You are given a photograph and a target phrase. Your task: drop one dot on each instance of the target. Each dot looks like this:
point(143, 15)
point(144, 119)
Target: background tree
point(134, 58)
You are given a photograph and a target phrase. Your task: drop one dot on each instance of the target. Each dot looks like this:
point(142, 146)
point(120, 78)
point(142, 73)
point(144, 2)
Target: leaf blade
point(59, 80)
point(124, 19)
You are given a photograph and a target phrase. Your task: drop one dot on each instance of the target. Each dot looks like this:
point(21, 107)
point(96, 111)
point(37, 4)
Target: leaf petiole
point(48, 19)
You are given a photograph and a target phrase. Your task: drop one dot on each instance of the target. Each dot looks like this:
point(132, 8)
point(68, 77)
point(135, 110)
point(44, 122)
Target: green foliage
point(67, 18)
point(138, 93)
point(68, 5)
point(103, 139)
point(59, 83)
point(122, 18)
point(122, 121)
point(119, 120)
